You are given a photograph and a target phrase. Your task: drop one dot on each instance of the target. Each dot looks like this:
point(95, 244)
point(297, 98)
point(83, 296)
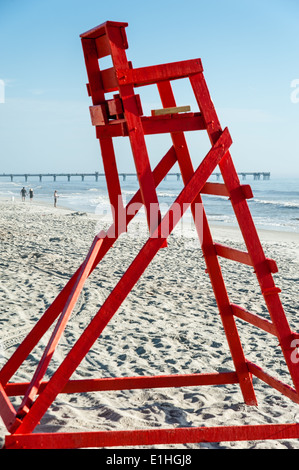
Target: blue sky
point(249, 51)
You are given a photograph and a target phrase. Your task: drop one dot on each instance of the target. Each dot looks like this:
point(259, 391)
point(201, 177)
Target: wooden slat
point(272, 265)
point(130, 383)
point(103, 47)
point(115, 106)
point(61, 324)
point(174, 123)
point(254, 319)
point(109, 80)
point(242, 257)
point(150, 437)
point(153, 74)
point(281, 387)
point(233, 254)
point(98, 115)
point(7, 411)
point(173, 110)
point(215, 189)
point(132, 114)
point(101, 29)
point(95, 88)
point(113, 185)
point(154, 125)
point(144, 382)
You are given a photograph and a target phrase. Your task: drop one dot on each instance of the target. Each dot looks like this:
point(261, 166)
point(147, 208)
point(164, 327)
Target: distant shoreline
point(218, 229)
point(168, 324)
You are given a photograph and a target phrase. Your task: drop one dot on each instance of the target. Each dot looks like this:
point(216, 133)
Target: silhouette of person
point(23, 193)
point(55, 198)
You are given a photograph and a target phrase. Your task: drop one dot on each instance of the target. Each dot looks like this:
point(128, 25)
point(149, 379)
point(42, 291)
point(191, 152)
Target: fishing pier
point(96, 175)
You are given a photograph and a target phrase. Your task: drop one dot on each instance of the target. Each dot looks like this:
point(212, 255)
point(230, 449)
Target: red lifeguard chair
point(122, 115)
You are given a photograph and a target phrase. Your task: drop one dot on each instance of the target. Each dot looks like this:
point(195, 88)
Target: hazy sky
point(249, 51)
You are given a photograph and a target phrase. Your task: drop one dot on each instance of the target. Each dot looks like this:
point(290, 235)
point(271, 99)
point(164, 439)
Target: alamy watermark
point(2, 91)
point(160, 222)
point(295, 92)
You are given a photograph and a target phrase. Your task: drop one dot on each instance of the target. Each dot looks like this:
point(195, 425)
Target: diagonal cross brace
point(60, 326)
point(125, 285)
point(50, 315)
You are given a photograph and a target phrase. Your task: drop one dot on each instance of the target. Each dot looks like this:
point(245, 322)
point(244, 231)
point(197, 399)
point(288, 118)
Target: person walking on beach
point(31, 194)
point(55, 198)
point(23, 193)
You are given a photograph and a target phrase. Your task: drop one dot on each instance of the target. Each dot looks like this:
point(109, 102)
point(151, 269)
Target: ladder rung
point(283, 388)
point(215, 189)
point(242, 257)
point(233, 254)
point(156, 73)
point(219, 189)
point(253, 319)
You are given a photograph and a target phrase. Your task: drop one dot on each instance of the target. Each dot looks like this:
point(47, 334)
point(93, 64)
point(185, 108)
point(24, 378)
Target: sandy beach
point(169, 324)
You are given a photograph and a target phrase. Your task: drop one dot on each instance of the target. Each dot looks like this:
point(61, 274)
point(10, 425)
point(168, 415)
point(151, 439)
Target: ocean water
point(275, 205)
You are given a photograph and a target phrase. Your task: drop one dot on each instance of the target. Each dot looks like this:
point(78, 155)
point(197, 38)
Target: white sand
point(168, 324)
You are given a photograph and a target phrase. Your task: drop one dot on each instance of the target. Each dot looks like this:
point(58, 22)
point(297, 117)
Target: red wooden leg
point(124, 286)
point(213, 266)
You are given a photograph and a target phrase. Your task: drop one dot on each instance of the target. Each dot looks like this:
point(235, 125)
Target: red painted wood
point(153, 125)
point(254, 319)
point(100, 30)
point(150, 437)
point(217, 189)
point(37, 332)
point(95, 86)
point(113, 185)
point(281, 387)
point(115, 107)
point(109, 80)
point(176, 123)
point(60, 326)
point(232, 254)
point(124, 117)
point(7, 411)
point(242, 257)
point(51, 314)
point(98, 115)
point(248, 229)
point(212, 263)
point(102, 46)
point(135, 129)
point(130, 383)
point(154, 74)
point(97, 92)
point(124, 286)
